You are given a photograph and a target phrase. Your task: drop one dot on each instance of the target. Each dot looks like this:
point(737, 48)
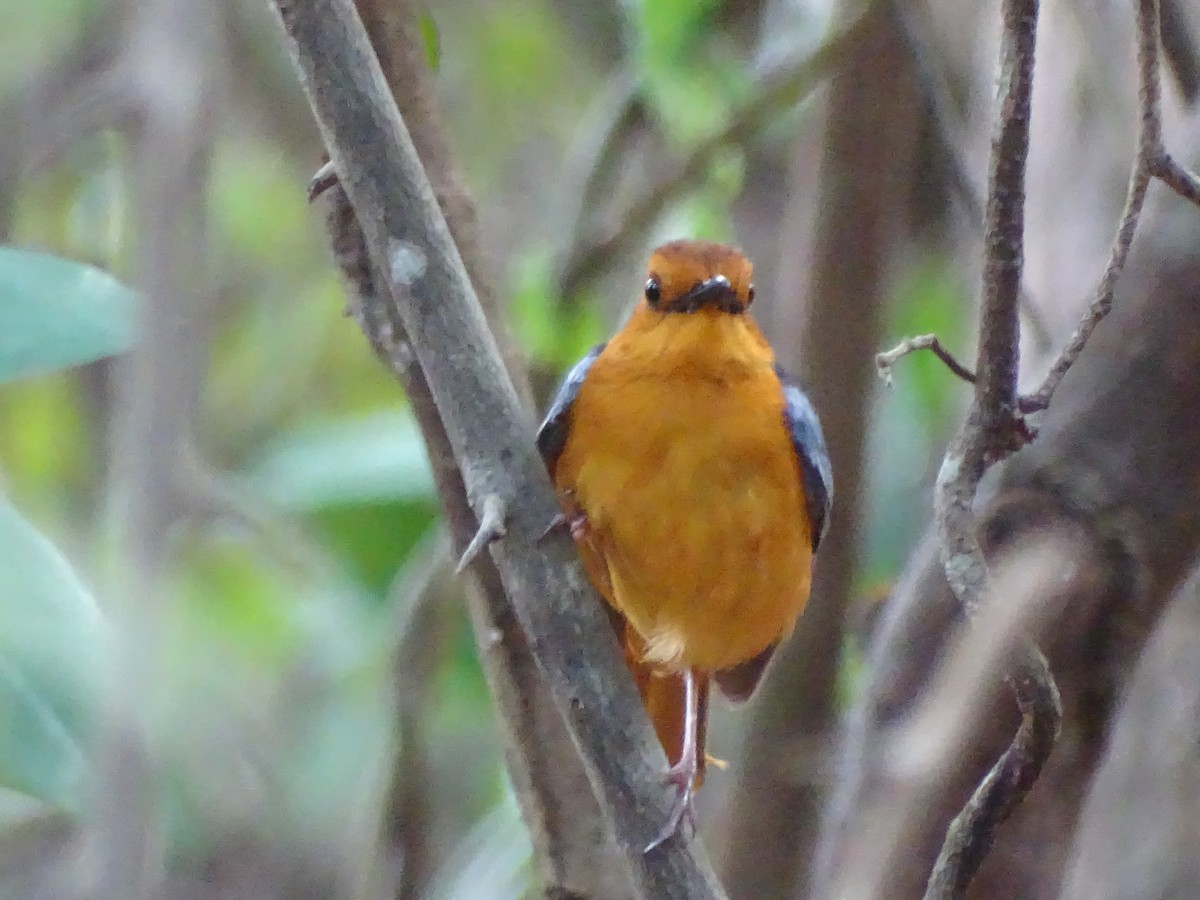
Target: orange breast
point(695, 505)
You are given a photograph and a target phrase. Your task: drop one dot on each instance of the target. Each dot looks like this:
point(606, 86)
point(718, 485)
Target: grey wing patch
point(552, 434)
point(804, 428)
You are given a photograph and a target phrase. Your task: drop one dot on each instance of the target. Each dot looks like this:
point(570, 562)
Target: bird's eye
point(653, 291)
point(750, 294)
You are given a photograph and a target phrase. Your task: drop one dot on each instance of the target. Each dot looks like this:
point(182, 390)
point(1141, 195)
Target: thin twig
point(992, 430)
point(971, 834)
point(621, 114)
point(1167, 169)
point(948, 129)
point(884, 362)
point(489, 433)
point(415, 598)
point(779, 90)
point(1149, 150)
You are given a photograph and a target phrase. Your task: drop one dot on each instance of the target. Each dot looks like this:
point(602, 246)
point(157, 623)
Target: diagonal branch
point(1179, 47)
point(490, 434)
point(1176, 176)
point(1151, 160)
point(570, 850)
point(1149, 149)
point(992, 430)
point(590, 255)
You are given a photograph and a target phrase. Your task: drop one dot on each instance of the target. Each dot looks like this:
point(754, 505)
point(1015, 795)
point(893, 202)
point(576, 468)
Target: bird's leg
point(683, 773)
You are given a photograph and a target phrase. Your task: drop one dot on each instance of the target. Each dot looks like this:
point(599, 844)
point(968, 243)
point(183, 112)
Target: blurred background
point(226, 604)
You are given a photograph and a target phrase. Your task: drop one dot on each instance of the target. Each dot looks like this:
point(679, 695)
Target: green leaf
point(55, 313)
point(51, 642)
point(669, 29)
point(551, 331)
point(429, 37)
point(367, 459)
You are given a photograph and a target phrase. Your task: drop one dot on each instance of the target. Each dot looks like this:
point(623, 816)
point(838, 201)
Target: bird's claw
point(681, 776)
point(575, 523)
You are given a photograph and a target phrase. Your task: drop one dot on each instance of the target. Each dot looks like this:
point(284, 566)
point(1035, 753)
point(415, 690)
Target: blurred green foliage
point(51, 643)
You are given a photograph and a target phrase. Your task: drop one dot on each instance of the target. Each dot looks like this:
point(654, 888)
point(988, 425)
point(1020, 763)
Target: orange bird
point(696, 483)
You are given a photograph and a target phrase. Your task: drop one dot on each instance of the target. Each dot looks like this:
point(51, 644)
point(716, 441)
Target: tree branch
point(589, 256)
point(1151, 160)
point(570, 848)
point(971, 834)
point(430, 294)
point(1149, 149)
point(992, 430)
point(1177, 177)
point(159, 391)
point(1179, 47)
point(886, 360)
point(830, 306)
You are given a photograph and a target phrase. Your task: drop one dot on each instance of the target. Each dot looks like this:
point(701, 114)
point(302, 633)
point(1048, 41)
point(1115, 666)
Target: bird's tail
point(665, 698)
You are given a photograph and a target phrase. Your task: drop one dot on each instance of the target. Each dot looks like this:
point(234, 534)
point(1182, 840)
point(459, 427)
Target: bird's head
point(690, 276)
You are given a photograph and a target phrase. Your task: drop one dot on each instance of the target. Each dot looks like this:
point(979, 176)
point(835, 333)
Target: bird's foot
point(574, 521)
point(681, 776)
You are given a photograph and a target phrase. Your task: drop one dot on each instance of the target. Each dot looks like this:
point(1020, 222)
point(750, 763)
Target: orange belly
point(695, 507)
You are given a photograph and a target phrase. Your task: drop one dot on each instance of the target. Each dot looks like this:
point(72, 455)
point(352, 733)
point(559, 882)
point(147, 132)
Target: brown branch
point(1180, 50)
point(970, 836)
point(991, 431)
point(884, 362)
point(1149, 150)
point(429, 293)
point(1122, 497)
point(158, 395)
point(416, 596)
point(830, 305)
point(591, 179)
point(395, 31)
point(1176, 176)
point(570, 848)
point(779, 90)
point(927, 750)
point(1151, 160)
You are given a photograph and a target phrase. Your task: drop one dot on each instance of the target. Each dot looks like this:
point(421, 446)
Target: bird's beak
point(716, 292)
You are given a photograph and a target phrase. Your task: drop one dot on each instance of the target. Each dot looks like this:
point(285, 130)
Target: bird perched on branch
point(695, 480)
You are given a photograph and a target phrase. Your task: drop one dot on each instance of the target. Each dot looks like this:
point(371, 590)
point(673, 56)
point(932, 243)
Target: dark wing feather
point(738, 682)
point(552, 434)
point(809, 443)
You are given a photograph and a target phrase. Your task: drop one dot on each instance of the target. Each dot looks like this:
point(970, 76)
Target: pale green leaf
point(56, 313)
point(374, 458)
point(51, 645)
